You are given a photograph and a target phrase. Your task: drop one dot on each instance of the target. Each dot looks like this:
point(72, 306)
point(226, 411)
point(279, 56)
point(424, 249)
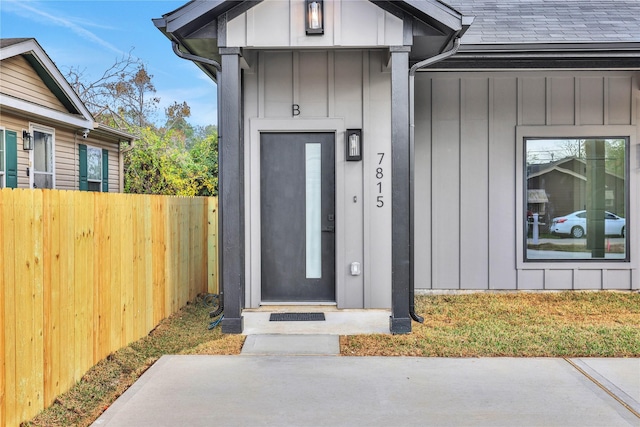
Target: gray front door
point(297, 208)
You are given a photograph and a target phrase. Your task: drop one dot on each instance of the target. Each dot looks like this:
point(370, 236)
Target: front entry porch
point(337, 321)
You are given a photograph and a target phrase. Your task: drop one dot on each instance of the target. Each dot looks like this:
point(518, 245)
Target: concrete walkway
point(291, 374)
point(328, 390)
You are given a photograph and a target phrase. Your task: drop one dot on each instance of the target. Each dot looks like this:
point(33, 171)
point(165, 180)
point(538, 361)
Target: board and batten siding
point(334, 91)
point(467, 159)
point(20, 80)
point(279, 23)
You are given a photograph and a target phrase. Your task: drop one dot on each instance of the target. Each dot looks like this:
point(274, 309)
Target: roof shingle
point(550, 21)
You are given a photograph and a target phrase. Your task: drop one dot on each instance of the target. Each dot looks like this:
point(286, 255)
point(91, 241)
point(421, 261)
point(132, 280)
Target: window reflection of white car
point(575, 224)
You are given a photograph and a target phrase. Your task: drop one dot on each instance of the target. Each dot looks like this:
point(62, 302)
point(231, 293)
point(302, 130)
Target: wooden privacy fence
point(84, 274)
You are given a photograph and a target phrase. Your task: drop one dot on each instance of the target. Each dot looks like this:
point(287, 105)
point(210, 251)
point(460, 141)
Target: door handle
point(329, 229)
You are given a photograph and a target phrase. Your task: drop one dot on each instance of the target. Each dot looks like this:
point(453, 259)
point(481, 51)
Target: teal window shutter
point(105, 171)
point(11, 156)
point(83, 185)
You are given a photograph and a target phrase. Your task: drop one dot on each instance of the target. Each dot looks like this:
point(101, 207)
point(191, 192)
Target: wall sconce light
point(354, 145)
point(314, 22)
point(26, 141)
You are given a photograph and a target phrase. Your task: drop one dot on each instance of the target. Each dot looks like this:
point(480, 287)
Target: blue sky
point(91, 35)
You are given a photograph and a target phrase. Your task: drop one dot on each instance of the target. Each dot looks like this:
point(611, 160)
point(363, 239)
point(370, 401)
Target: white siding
point(66, 153)
point(20, 80)
point(467, 166)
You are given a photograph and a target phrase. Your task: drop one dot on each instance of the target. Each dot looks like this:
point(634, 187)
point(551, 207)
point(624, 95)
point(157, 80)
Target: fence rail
point(84, 274)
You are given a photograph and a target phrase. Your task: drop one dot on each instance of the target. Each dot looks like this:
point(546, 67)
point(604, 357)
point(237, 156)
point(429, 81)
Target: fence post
point(212, 245)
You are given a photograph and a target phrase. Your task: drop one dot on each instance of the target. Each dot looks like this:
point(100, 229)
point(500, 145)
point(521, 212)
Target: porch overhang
point(429, 27)
point(199, 26)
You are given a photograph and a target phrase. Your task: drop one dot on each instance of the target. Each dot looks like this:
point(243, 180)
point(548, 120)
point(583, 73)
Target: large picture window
point(576, 197)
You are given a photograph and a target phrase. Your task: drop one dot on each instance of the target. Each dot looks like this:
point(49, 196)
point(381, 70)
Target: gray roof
point(11, 42)
point(529, 34)
point(550, 21)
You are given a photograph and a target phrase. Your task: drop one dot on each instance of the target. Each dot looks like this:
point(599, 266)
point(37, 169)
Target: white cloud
point(35, 12)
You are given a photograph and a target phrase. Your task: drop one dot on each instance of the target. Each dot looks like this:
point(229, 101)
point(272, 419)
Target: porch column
point(400, 321)
point(231, 191)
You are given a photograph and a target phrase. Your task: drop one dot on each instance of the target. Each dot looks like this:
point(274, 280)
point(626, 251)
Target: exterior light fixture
point(354, 145)
point(26, 141)
point(314, 22)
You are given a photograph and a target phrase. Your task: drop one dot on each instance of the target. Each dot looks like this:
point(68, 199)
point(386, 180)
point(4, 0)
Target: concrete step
point(338, 322)
point(292, 345)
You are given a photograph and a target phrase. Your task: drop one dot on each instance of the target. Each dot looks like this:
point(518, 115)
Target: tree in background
point(122, 97)
point(204, 158)
point(157, 165)
point(174, 159)
point(134, 95)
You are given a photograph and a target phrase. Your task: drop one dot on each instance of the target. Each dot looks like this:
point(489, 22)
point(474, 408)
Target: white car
point(575, 224)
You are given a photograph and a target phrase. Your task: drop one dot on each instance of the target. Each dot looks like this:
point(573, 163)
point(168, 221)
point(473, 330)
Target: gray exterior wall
point(279, 24)
point(469, 173)
point(335, 91)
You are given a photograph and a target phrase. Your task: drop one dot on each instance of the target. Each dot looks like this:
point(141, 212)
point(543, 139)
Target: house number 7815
point(379, 177)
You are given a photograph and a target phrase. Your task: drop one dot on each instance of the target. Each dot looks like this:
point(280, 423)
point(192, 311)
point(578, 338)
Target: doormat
point(296, 317)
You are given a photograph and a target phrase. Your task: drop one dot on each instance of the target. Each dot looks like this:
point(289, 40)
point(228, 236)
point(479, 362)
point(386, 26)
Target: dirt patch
point(185, 332)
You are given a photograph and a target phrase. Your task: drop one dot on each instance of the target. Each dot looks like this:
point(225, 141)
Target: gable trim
point(39, 111)
point(185, 21)
point(50, 82)
point(49, 73)
point(426, 11)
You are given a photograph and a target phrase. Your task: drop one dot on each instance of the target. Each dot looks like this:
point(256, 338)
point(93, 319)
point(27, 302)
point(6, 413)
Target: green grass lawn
point(547, 324)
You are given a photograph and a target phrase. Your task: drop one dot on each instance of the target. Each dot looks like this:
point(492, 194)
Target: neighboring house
point(564, 183)
point(48, 138)
point(372, 147)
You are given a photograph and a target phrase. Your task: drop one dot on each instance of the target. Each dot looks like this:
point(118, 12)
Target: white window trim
point(101, 171)
point(633, 207)
point(44, 129)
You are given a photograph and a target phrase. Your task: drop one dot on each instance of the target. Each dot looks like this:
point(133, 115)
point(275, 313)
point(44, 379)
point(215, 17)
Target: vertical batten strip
point(548, 120)
point(605, 100)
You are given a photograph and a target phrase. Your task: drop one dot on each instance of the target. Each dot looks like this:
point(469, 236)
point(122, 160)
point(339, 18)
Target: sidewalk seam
point(610, 389)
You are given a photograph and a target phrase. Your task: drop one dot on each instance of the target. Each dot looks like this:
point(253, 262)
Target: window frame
point(33, 127)
point(90, 180)
point(576, 132)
